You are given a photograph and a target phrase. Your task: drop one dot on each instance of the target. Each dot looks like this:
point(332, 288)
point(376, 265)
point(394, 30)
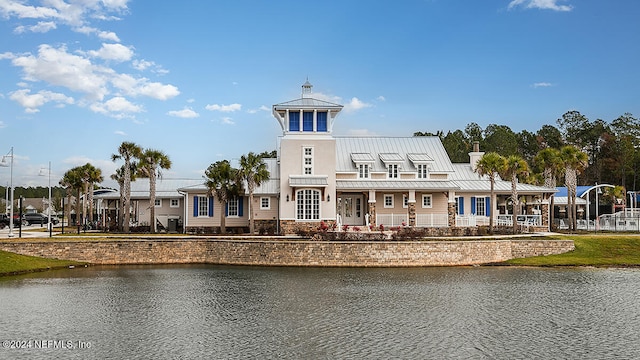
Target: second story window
point(392, 171)
point(307, 161)
point(363, 171)
point(422, 171)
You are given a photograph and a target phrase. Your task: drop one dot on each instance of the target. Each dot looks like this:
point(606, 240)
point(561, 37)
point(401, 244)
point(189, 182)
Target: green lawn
point(11, 263)
point(592, 250)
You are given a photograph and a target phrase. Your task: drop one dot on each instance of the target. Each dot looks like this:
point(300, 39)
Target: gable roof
point(380, 148)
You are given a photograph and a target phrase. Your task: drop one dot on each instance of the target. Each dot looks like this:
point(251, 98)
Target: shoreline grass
point(15, 264)
point(597, 250)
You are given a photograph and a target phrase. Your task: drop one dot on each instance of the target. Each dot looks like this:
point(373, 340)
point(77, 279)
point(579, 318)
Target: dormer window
point(421, 162)
point(392, 171)
point(363, 171)
point(422, 171)
point(392, 162)
point(364, 162)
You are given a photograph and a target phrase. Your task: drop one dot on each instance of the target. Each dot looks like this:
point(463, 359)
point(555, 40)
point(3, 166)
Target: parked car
point(37, 218)
point(4, 221)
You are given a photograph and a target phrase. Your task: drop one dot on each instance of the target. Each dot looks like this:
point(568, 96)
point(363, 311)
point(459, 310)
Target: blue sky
point(196, 79)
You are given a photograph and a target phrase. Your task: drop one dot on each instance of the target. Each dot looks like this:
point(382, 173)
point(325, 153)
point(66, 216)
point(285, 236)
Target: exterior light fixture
point(4, 163)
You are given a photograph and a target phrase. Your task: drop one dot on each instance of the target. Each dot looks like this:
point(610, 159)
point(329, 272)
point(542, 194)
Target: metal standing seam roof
point(308, 181)
point(402, 146)
point(362, 157)
point(428, 185)
point(419, 158)
point(165, 188)
point(469, 181)
point(309, 103)
point(269, 187)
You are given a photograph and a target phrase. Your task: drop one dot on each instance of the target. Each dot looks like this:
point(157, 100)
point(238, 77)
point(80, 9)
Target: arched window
point(308, 204)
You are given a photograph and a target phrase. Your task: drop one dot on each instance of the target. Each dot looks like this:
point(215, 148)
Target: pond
point(224, 312)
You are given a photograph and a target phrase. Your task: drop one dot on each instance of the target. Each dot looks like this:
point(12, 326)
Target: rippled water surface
point(315, 313)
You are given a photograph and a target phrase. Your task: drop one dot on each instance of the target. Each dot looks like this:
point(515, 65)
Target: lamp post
point(598, 188)
point(49, 224)
point(3, 163)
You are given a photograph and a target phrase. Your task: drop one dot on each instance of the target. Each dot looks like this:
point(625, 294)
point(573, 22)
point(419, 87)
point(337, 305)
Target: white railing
point(620, 221)
point(471, 220)
point(392, 219)
point(432, 220)
point(524, 220)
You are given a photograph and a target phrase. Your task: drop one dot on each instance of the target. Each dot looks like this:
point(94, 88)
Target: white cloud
point(105, 35)
point(31, 102)
point(116, 52)
point(184, 113)
point(228, 121)
point(356, 104)
point(2, 124)
point(541, 84)
point(540, 4)
point(381, 98)
point(224, 108)
point(142, 65)
point(7, 55)
point(60, 68)
point(73, 13)
point(329, 98)
point(156, 90)
point(261, 108)
point(40, 27)
point(117, 107)
point(120, 132)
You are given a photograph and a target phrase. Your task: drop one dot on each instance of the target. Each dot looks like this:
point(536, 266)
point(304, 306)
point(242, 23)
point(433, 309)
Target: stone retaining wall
point(288, 252)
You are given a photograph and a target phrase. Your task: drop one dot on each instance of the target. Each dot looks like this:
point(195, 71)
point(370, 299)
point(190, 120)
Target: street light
point(49, 224)
point(4, 163)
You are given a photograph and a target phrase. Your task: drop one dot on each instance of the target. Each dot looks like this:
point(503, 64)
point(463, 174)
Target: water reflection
point(315, 313)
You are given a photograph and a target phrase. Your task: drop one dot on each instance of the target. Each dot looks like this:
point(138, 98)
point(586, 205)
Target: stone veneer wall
point(279, 252)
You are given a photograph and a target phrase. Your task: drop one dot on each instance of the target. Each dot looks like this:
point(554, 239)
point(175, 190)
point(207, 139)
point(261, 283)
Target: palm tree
point(224, 181)
point(551, 163)
point(119, 178)
point(574, 162)
point(151, 161)
point(254, 171)
point(491, 164)
point(515, 167)
point(72, 181)
point(90, 175)
point(127, 152)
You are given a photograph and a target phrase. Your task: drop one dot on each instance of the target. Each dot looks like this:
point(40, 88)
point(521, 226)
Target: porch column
point(544, 211)
point(372, 209)
point(451, 209)
point(412, 207)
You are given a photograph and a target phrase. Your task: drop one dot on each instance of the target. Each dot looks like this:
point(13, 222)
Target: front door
point(350, 208)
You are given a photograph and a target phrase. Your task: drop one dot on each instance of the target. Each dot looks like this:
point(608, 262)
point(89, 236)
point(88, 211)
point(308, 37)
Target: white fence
point(471, 220)
point(422, 220)
point(499, 220)
point(388, 220)
point(621, 221)
point(432, 220)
